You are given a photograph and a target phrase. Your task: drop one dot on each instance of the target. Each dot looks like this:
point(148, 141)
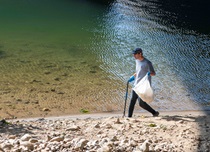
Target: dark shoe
point(156, 114)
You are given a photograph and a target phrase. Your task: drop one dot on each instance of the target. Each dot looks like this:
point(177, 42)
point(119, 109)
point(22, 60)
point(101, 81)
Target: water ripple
point(180, 56)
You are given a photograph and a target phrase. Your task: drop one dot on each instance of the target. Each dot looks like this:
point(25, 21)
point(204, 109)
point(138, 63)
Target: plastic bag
point(144, 90)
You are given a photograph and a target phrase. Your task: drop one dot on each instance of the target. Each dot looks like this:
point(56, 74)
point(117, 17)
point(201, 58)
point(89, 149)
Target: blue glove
point(148, 73)
point(132, 78)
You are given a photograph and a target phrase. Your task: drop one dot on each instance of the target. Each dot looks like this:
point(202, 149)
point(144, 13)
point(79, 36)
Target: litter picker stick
point(126, 96)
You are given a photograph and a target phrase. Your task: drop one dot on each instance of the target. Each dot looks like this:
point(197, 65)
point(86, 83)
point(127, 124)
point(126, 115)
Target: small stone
point(26, 137)
point(58, 139)
point(26, 145)
point(105, 148)
point(6, 145)
point(97, 126)
point(145, 146)
point(33, 140)
point(12, 136)
point(118, 121)
point(73, 128)
point(81, 144)
point(57, 79)
point(48, 138)
point(45, 109)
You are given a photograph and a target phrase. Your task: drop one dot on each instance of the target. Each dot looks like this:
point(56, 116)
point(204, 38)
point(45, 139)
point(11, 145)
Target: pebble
point(104, 135)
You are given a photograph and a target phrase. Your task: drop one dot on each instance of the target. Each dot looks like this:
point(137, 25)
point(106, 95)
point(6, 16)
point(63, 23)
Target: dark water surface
point(70, 45)
point(174, 35)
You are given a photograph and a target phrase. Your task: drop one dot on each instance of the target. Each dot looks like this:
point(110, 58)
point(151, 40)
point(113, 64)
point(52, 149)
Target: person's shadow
point(15, 128)
point(203, 124)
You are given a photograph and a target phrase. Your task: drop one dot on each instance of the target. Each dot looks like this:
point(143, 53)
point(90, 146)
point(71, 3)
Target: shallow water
point(77, 54)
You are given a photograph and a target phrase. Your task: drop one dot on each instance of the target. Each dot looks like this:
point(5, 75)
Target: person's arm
point(151, 70)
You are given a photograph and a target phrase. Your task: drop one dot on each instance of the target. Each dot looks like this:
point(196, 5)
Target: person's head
point(137, 53)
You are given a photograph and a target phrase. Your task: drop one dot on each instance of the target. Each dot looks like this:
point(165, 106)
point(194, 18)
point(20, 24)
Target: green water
point(46, 57)
point(66, 55)
point(47, 22)
point(53, 31)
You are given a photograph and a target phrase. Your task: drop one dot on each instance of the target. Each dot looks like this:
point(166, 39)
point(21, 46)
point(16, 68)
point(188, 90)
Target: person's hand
point(132, 78)
point(148, 73)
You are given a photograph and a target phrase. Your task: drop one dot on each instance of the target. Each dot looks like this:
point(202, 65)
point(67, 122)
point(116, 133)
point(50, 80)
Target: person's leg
point(145, 106)
point(132, 103)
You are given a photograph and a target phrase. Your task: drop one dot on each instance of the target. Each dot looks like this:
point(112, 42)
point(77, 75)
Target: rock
point(12, 136)
point(80, 145)
point(26, 137)
point(45, 109)
point(108, 126)
point(33, 140)
point(118, 121)
point(145, 146)
point(105, 148)
point(73, 128)
point(6, 146)
point(132, 143)
point(114, 138)
point(103, 135)
point(48, 138)
point(26, 146)
point(93, 143)
point(97, 125)
point(58, 139)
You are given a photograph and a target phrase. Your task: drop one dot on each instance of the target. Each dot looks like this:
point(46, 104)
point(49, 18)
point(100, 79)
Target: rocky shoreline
point(142, 133)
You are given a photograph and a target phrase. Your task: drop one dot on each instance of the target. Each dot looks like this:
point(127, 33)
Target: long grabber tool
point(126, 96)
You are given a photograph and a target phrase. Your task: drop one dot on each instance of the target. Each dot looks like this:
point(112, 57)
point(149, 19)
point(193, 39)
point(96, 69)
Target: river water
point(176, 42)
point(94, 38)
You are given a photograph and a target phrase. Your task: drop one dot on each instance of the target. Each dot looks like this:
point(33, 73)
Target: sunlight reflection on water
point(182, 71)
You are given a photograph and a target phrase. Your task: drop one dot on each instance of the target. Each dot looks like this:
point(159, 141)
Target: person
point(143, 67)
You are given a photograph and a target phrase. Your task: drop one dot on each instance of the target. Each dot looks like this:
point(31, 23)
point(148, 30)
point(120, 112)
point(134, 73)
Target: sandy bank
point(186, 131)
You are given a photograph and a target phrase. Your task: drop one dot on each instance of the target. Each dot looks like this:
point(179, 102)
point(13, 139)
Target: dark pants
point(142, 104)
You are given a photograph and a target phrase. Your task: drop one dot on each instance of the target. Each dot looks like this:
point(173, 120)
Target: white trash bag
point(144, 90)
